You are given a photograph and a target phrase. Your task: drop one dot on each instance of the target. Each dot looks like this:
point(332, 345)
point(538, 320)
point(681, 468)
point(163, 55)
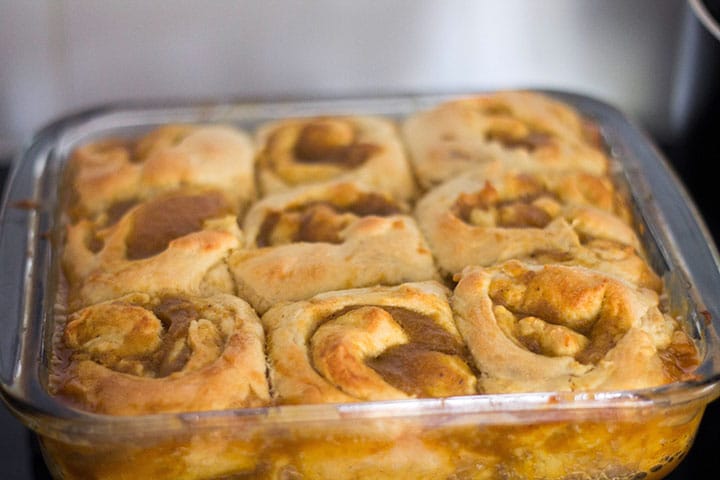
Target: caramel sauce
point(164, 219)
point(94, 243)
point(516, 212)
point(530, 142)
point(421, 372)
point(425, 333)
point(176, 316)
point(428, 364)
point(680, 358)
point(467, 202)
point(116, 211)
point(522, 215)
point(350, 157)
point(266, 229)
point(319, 222)
point(322, 137)
point(600, 345)
point(551, 256)
point(371, 204)
point(334, 143)
point(169, 356)
point(496, 110)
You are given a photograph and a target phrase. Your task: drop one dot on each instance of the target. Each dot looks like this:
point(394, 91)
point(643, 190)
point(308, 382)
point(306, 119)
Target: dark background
point(693, 158)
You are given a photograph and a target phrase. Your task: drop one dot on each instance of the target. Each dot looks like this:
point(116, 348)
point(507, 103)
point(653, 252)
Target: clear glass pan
point(628, 434)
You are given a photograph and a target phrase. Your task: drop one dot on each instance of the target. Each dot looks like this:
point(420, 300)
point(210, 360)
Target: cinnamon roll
point(299, 151)
point(172, 243)
point(107, 176)
point(144, 354)
point(495, 213)
point(376, 343)
point(328, 236)
point(537, 328)
point(521, 128)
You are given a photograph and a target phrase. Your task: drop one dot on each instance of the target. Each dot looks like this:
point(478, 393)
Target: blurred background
point(655, 60)
point(58, 56)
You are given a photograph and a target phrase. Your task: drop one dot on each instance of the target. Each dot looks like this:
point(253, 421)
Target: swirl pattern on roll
point(175, 242)
point(537, 328)
point(108, 175)
point(328, 236)
point(301, 151)
point(144, 354)
point(496, 213)
point(377, 343)
point(523, 129)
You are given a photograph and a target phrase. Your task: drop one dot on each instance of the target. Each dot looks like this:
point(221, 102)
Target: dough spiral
point(173, 243)
point(537, 328)
point(301, 151)
point(143, 354)
point(521, 128)
point(376, 343)
point(497, 213)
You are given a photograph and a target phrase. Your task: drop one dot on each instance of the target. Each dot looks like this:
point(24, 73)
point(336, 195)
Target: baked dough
point(173, 243)
point(607, 257)
point(494, 213)
point(559, 328)
point(145, 354)
point(170, 257)
point(520, 128)
point(377, 343)
point(108, 175)
point(299, 151)
point(323, 237)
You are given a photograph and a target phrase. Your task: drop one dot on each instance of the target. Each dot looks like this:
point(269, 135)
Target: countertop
point(20, 457)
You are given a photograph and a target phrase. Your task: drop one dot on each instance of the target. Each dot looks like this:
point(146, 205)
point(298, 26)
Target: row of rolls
point(480, 246)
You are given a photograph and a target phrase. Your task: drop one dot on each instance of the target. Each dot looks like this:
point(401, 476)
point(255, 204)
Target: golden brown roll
point(299, 151)
point(607, 257)
point(172, 243)
point(109, 175)
point(521, 128)
point(376, 343)
point(537, 328)
point(327, 236)
point(493, 214)
point(144, 354)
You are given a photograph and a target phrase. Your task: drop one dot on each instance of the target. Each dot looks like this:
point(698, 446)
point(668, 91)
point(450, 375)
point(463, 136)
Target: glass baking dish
point(620, 434)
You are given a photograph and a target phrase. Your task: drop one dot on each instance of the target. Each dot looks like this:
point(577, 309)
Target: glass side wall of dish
point(479, 246)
